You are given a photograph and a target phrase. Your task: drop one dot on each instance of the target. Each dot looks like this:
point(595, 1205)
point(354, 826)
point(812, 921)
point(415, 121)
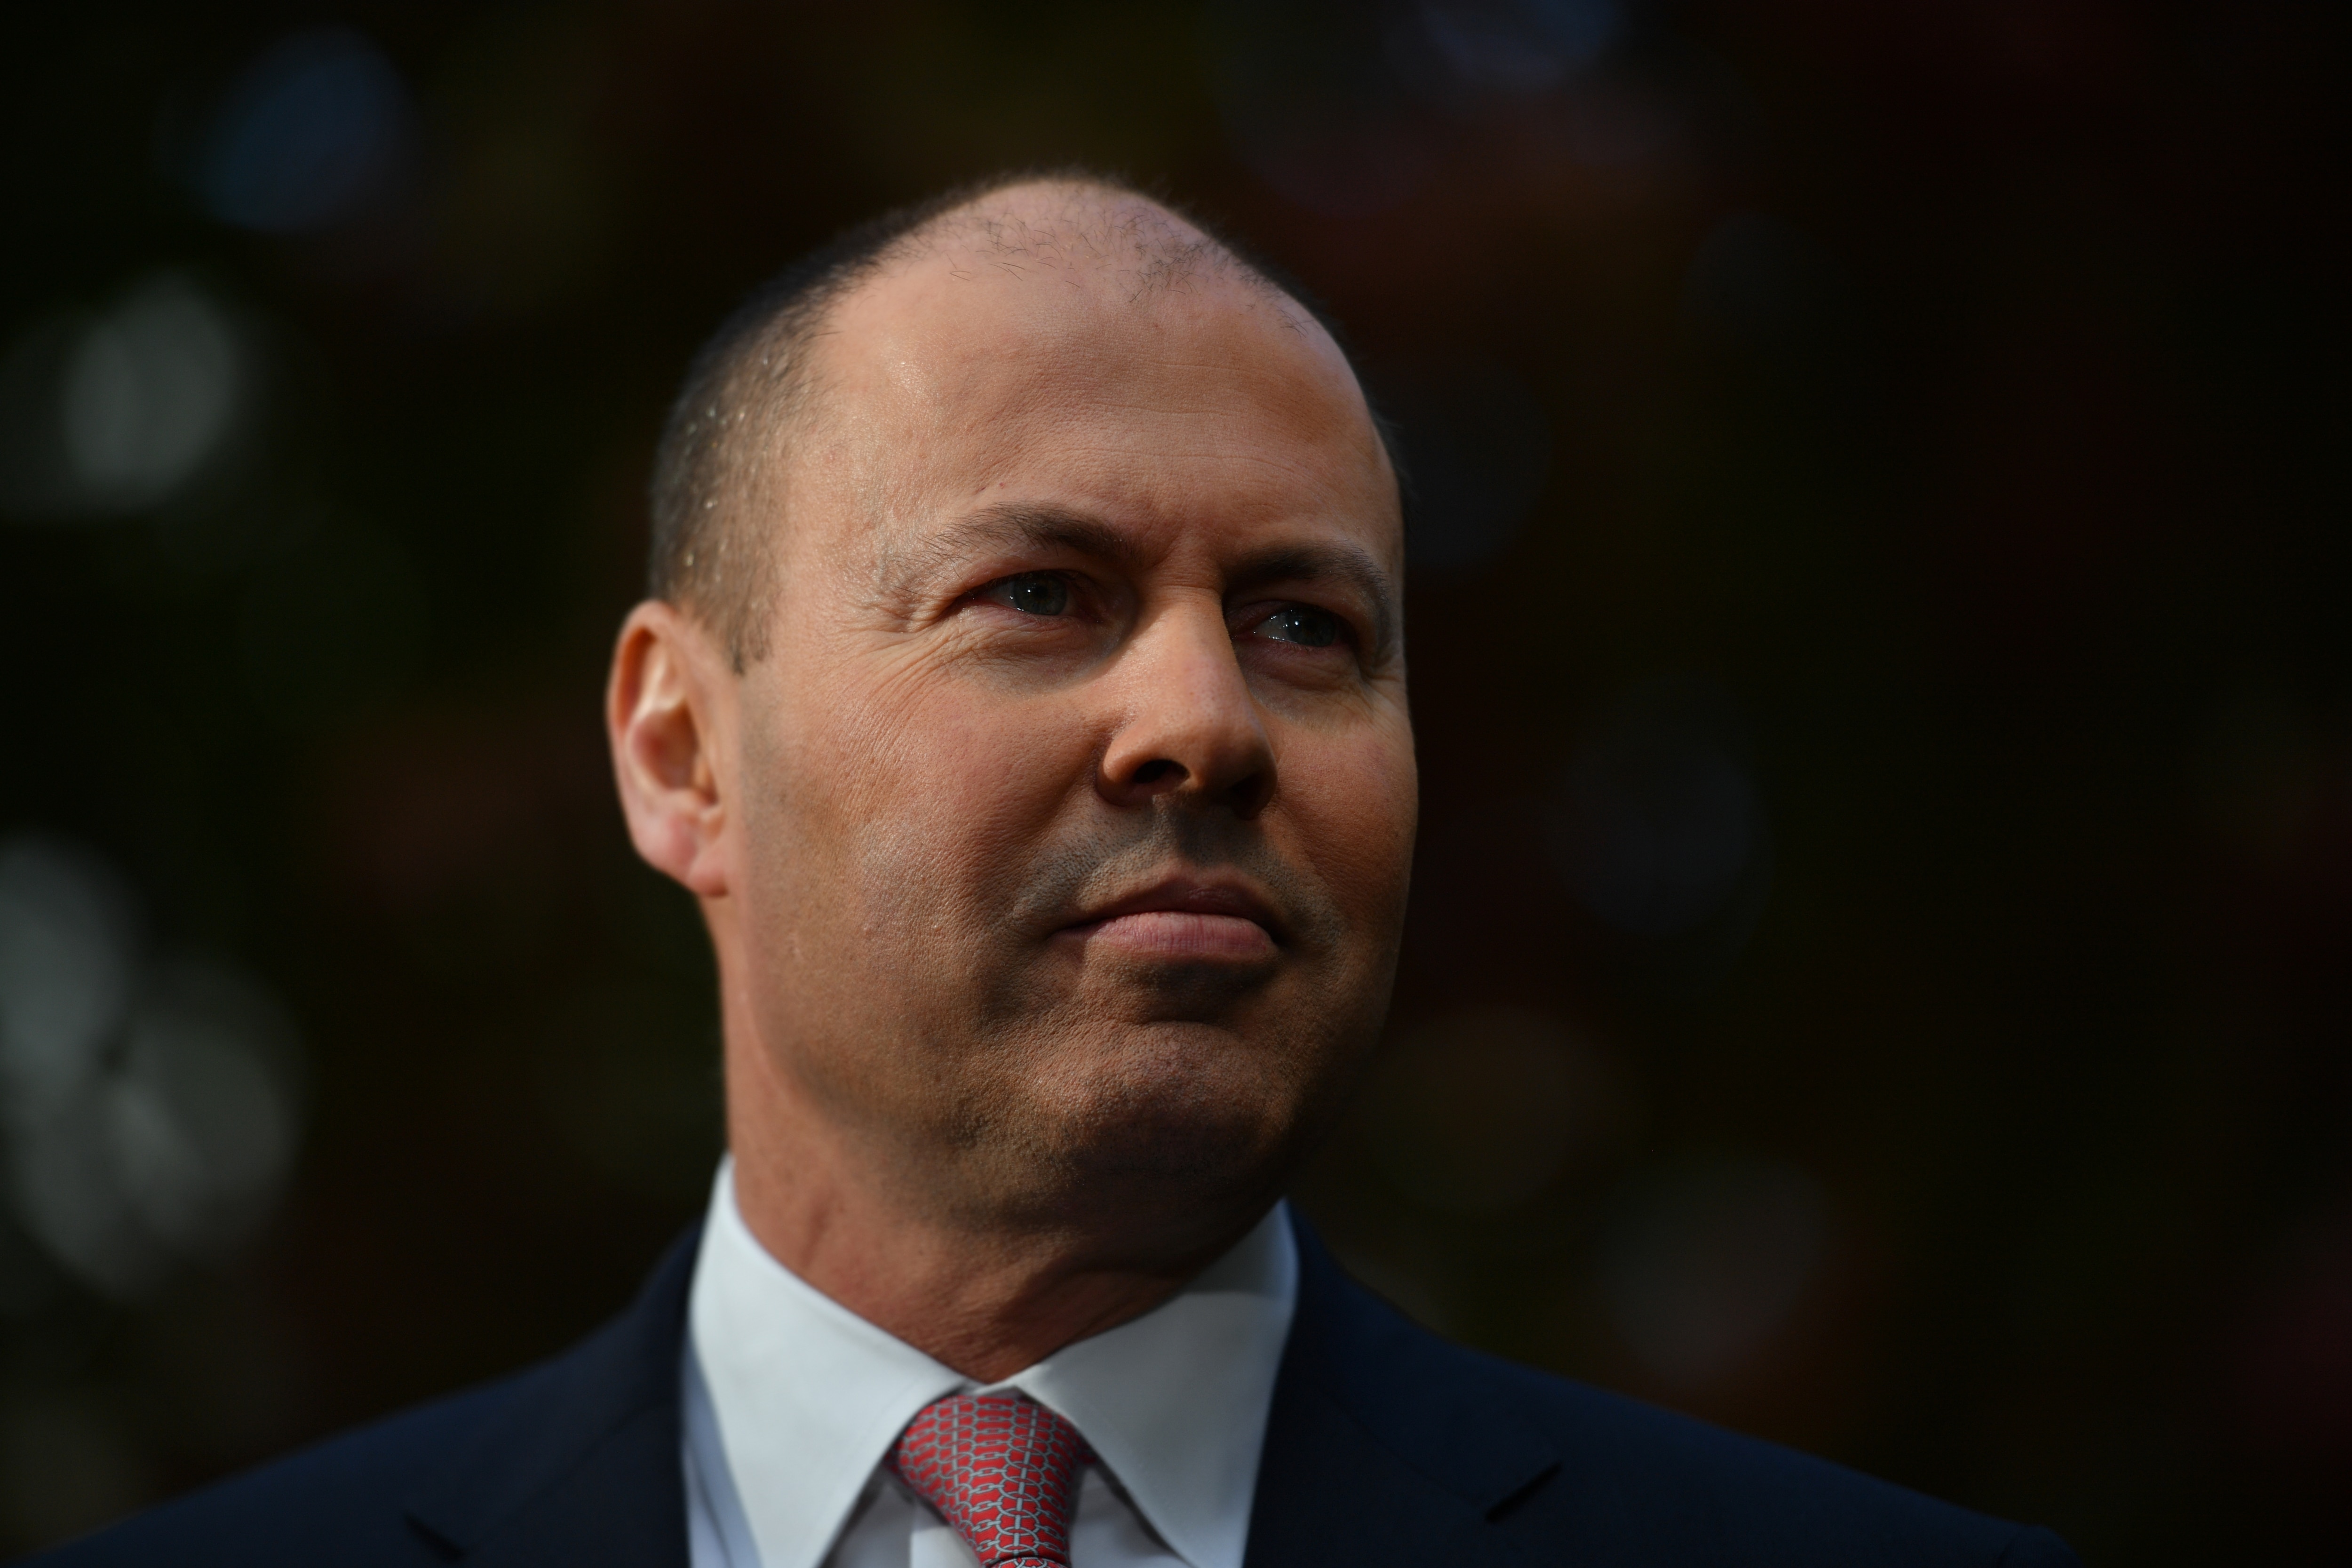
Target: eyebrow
point(1058, 528)
point(1042, 528)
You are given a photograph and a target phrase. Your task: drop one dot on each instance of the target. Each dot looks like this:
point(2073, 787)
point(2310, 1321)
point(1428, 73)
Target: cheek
point(936, 793)
point(1354, 799)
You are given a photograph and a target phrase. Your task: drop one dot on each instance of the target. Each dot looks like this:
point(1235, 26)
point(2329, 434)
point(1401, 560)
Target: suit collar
point(1384, 1442)
point(580, 1462)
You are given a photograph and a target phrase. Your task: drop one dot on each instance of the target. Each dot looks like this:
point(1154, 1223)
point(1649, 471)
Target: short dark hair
point(751, 378)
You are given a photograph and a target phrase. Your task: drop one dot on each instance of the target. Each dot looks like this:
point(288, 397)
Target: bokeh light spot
point(315, 129)
point(149, 1114)
point(102, 417)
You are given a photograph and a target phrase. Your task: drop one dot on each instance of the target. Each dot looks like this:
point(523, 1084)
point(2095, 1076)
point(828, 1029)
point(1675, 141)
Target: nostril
point(1154, 770)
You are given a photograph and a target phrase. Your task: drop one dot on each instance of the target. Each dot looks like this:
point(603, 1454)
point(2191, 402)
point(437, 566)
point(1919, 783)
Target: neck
point(986, 1298)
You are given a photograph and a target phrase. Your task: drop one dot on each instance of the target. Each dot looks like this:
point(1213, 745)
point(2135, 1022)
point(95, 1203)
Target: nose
point(1192, 729)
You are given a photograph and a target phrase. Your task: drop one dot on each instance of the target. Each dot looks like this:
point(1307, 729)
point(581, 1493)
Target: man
point(1023, 697)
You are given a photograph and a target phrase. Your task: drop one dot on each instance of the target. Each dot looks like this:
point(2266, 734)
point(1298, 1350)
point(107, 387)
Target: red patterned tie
point(1002, 1469)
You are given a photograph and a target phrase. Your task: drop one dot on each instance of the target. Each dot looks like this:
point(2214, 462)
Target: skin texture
point(1055, 855)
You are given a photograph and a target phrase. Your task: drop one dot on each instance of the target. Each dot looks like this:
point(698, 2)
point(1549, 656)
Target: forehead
point(963, 376)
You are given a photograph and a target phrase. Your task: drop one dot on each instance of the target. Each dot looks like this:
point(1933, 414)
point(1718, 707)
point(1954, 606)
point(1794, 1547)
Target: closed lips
point(1184, 922)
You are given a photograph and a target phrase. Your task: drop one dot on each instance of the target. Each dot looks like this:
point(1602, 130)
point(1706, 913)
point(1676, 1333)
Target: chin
point(1182, 1119)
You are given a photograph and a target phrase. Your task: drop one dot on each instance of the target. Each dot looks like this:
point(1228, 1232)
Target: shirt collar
point(807, 1396)
point(1175, 1402)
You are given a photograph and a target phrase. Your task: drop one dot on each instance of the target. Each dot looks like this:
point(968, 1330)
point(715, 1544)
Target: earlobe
point(661, 719)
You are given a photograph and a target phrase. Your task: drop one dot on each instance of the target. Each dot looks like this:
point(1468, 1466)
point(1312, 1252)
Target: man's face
point(1075, 796)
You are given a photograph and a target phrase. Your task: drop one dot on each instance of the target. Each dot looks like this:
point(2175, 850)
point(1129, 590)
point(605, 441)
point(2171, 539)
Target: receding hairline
point(1135, 241)
point(1110, 227)
point(732, 428)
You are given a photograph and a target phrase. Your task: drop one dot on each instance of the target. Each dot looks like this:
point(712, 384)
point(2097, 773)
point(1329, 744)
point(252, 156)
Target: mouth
point(1185, 920)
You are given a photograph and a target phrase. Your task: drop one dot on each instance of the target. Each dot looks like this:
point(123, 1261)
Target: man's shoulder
point(572, 1461)
point(1473, 1457)
point(1641, 1478)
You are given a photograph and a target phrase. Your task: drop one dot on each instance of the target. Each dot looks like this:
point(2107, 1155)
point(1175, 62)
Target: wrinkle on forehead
point(946, 342)
point(1103, 327)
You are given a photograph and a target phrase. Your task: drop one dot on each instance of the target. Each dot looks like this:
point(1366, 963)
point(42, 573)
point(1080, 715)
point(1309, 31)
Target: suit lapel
point(1384, 1444)
point(581, 1464)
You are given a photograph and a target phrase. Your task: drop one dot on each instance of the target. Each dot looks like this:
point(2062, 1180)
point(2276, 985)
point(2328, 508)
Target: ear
point(666, 714)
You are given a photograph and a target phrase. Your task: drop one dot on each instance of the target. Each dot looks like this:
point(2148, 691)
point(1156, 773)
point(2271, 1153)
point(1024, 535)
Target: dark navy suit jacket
point(1385, 1444)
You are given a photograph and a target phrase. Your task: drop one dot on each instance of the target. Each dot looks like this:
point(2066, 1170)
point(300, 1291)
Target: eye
point(1301, 624)
point(1031, 593)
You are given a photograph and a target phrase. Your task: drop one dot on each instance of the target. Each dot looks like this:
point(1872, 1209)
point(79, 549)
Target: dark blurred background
point(1878, 970)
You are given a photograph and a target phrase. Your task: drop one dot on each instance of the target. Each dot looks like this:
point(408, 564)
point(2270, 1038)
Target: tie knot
point(1001, 1469)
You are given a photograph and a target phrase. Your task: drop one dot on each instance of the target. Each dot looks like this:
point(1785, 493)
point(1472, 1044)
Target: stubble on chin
point(1001, 1077)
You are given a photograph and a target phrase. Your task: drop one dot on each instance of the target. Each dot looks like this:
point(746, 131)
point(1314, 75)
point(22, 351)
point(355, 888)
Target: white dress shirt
point(792, 1401)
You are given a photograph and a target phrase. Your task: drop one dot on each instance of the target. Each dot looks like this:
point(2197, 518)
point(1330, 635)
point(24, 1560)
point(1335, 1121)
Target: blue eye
point(1301, 624)
point(1034, 594)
